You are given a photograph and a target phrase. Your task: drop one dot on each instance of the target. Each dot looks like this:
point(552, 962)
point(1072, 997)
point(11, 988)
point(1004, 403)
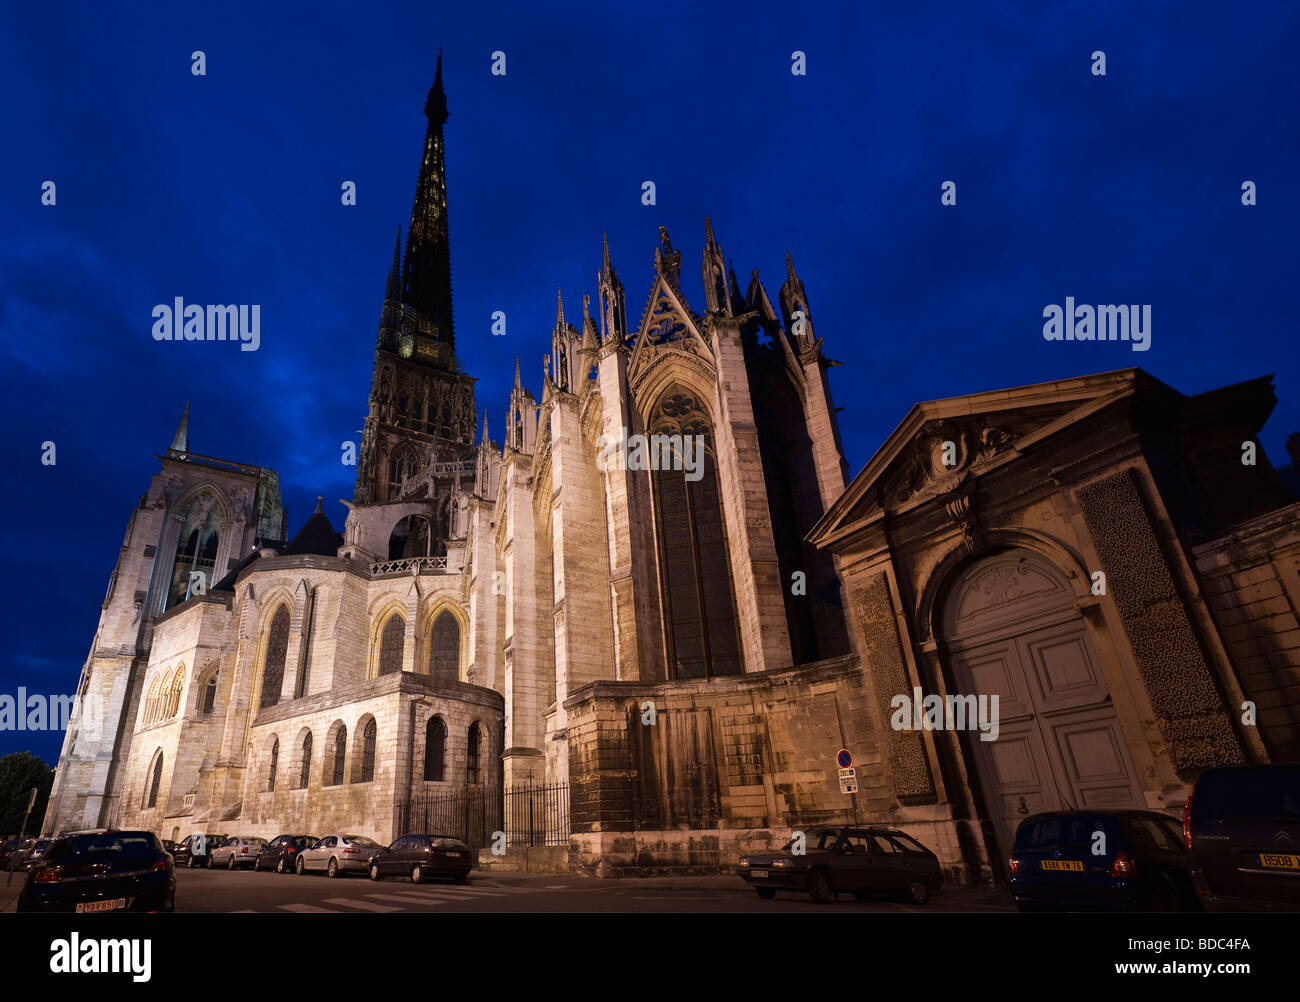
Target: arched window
point(209, 696)
point(155, 779)
point(392, 644)
point(277, 645)
point(695, 577)
point(304, 771)
point(444, 648)
point(151, 702)
point(174, 698)
point(435, 744)
point(471, 755)
point(275, 758)
point(409, 538)
point(196, 549)
point(340, 755)
point(368, 751)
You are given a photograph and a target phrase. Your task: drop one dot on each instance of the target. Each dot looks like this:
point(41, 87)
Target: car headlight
point(783, 863)
point(744, 862)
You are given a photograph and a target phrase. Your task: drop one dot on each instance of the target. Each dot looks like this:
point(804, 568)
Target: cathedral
point(594, 667)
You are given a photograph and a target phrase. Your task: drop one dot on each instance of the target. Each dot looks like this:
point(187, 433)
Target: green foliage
point(19, 772)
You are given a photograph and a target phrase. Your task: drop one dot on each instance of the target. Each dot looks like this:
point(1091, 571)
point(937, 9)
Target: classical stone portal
point(625, 667)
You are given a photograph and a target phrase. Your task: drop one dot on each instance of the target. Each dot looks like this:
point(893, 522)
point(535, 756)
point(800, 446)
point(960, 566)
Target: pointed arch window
point(275, 758)
point(208, 698)
point(699, 607)
point(368, 751)
point(196, 549)
point(277, 645)
point(304, 770)
point(340, 755)
point(155, 779)
point(392, 643)
point(435, 750)
point(444, 648)
point(472, 755)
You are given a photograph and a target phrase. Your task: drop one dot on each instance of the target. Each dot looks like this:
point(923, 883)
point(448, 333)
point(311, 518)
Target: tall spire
point(613, 300)
point(393, 290)
point(559, 310)
point(181, 443)
point(517, 381)
point(717, 296)
point(426, 279)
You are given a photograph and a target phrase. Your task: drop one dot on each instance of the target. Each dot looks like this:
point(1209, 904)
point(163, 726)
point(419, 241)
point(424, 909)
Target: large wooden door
point(1012, 630)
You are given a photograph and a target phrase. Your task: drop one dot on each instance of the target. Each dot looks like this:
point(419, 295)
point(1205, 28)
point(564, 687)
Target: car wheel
point(230, 863)
point(279, 866)
point(819, 887)
point(333, 868)
point(302, 867)
point(416, 876)
point(766, 893)
point(917, 892)
point(374, 871)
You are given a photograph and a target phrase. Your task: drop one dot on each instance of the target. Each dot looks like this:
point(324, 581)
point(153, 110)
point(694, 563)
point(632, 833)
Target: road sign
point(843, 758)
point(849, 783)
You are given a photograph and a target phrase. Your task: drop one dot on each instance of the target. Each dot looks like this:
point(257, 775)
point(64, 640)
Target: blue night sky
point(226, 188)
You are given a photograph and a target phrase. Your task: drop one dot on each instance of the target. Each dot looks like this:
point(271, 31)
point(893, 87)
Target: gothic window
point(277, 645)
point(151, 703)
point(471, 755)
point(392, 643)
point(275, 758)
point(444, 648)
point(174, 698)
point(209, 698)
point(340, 755)
point(410, 538)
point(155, 779)
point(368, 751)
point(304, 771)
point(196, 549)
point(698, 601)
point(435, 747)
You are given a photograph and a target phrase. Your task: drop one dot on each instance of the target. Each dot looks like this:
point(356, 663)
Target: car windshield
point(103, 846)
point(449, 843)
point(1073, 831)
point(1248, 795)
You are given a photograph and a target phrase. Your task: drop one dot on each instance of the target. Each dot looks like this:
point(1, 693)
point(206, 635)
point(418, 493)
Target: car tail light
point(290, 849)
point(245, 851)
point(1124, 865)
point(1187, 820)
point(45, 877)
point(1013, 864)
point(160, 865)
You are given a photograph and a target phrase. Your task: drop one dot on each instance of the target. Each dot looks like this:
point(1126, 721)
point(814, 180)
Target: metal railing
point(531, 815)
point(425, 564)
point(537, 814)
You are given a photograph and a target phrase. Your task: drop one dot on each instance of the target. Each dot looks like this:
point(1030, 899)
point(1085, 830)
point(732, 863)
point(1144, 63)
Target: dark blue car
point(1101, 860)
point(109, 871)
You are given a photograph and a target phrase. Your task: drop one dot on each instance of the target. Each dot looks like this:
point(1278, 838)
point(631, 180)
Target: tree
point(19, 772)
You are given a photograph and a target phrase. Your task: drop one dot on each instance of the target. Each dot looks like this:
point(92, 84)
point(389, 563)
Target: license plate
point(1279, 861)
point(758, 873)
point(1072, 865)
point(112, 904)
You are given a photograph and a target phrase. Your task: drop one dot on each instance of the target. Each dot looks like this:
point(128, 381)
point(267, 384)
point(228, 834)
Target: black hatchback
point(420, 856)
point(281, 853)
point(1101, 860)
point(101, 872)
point(1242, 825)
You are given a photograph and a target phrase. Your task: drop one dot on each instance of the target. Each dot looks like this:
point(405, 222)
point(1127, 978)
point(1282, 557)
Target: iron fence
point(537, 814)
point(533, 815)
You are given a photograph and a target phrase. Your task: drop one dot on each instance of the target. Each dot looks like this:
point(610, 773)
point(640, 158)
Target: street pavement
point(244, 891)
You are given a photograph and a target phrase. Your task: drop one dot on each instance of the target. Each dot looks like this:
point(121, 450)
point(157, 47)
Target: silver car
point(236, 851)
point(337, 854)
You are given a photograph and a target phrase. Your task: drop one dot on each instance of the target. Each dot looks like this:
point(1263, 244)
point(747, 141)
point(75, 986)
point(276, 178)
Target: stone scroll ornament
point(908, 764)
point(1189, 710)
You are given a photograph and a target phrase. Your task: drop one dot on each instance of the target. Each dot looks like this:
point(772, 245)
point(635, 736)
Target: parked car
point(107, 871)
point(1101, 860)
point(1242, 825)
point(168, 845)
point(282, 851)
point(422, 856)
point(236, 851)
point(30, 852)
point(337, 854)
point(9, 852)
point(853, 860)
point(193, 850)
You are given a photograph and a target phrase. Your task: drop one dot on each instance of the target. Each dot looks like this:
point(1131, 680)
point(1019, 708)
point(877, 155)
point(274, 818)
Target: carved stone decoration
point(1180, 683)
point(883, 656)
point(944, 453)
point(961, 510)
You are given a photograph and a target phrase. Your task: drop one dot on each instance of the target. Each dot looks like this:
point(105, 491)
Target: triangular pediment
point(942, 444)
point(666, 325)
